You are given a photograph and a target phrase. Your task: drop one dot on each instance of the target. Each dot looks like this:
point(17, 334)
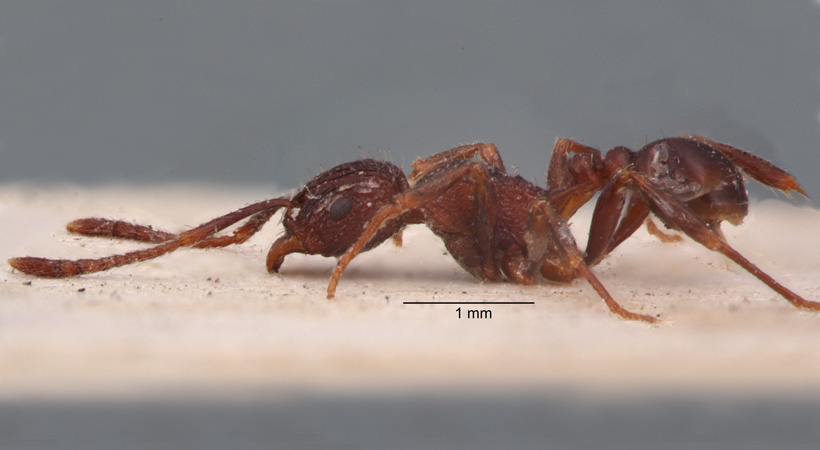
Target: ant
point(495, 225)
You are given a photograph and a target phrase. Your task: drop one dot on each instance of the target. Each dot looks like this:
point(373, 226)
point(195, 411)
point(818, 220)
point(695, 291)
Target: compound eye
point(340, 207)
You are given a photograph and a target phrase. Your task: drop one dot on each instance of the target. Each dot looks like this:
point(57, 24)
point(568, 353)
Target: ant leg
point(756, 167)
point(674, 212)
point(488, 152)
point(620, 211)
point(58, 268)
point(548, 225)
point(567, 201)
point(397, 238)
point(663, 236)
point(553, 267)
point(424, 193)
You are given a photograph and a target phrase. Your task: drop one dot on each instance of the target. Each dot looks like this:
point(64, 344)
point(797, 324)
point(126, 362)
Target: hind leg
point(547, 226)
point(677, 214)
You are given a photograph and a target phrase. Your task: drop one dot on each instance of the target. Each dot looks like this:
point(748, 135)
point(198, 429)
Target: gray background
point(269, 92)
point(251, 92)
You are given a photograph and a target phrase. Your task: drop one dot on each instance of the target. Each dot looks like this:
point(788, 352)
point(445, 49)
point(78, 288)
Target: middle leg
point(553, 235)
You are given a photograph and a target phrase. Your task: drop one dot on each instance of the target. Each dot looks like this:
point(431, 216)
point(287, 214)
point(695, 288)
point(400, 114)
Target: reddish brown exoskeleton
point(691, 184)
point(495, 225)
point(501, 226)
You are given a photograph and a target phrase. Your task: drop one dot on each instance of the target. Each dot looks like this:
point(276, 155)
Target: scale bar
point(469, 303)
